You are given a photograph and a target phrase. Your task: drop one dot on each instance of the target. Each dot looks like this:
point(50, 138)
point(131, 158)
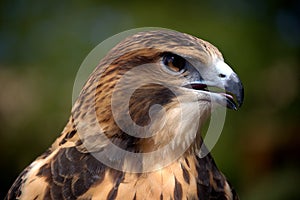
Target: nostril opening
point(222, 75)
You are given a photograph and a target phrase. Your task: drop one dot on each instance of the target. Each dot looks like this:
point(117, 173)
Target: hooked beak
point(224, 79)
point(234, 92)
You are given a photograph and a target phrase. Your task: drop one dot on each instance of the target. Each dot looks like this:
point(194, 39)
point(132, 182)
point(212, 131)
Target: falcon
point(135, 129)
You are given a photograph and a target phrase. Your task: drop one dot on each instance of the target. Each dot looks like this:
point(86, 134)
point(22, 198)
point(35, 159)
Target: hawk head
point(152, 92)
point(140, 111)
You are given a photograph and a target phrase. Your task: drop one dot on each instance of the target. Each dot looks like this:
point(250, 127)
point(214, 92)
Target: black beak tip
point(237, 90)
point(240, 96)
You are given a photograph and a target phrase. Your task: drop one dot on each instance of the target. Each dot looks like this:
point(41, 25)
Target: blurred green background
point(42, 44)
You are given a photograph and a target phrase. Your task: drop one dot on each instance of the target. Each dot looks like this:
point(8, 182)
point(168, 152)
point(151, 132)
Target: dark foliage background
point(42, 44)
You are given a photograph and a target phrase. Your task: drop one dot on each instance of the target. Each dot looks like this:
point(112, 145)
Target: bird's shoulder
point(67, 171)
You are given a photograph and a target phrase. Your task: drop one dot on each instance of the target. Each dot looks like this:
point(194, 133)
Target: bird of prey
point(135, 129)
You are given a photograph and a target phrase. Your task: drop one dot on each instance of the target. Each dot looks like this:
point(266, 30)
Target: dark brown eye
point(174, 62)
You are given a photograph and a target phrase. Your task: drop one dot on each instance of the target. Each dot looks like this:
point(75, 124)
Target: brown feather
point(68, 170)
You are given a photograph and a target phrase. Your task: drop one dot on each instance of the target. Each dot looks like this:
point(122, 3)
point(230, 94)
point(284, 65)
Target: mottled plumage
point(69, 169)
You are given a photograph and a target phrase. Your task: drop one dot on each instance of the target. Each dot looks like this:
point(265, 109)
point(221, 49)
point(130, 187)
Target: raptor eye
point(174, 62)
